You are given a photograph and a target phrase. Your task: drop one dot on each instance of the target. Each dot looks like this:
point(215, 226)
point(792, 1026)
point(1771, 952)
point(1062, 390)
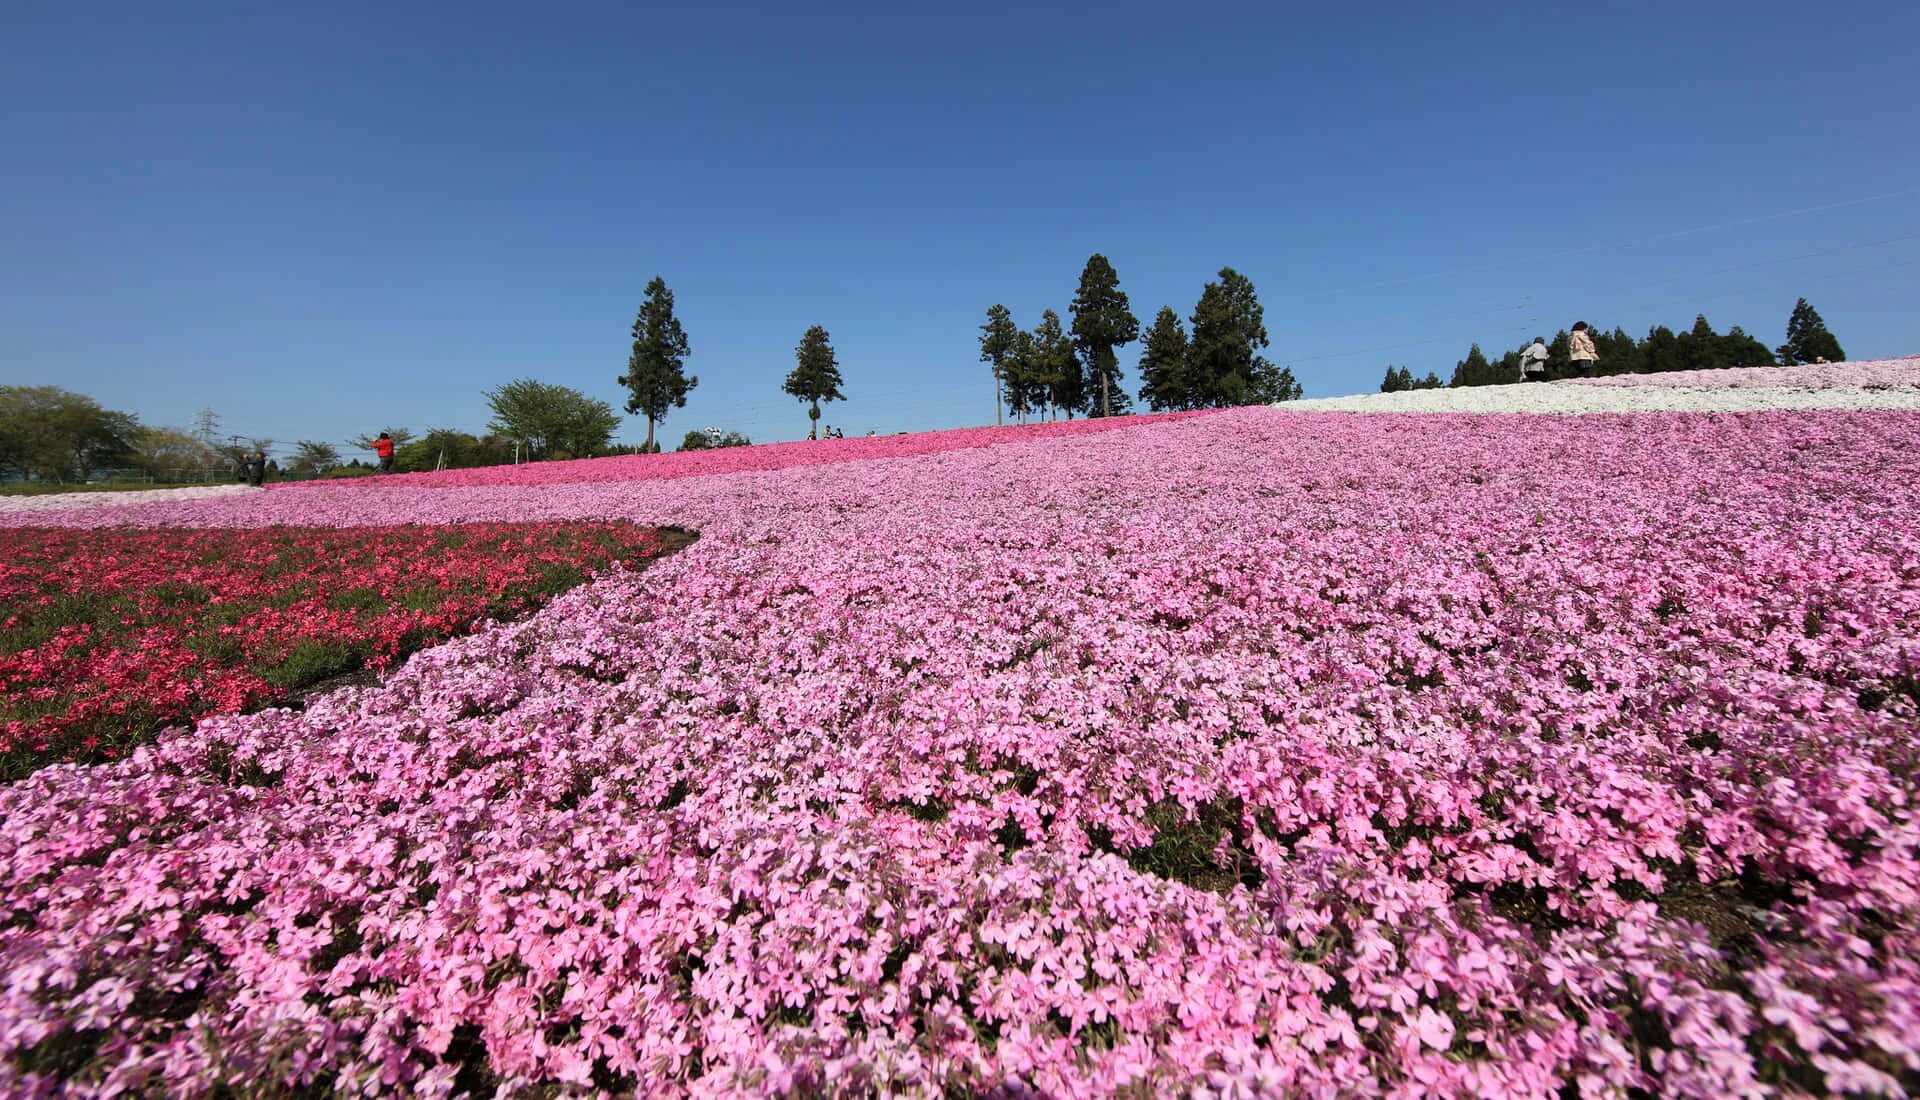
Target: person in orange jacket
point(383, 446)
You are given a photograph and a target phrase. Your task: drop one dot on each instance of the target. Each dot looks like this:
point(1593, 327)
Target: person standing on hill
point(383, 447)
point(1580, 349)
point(1533, 361)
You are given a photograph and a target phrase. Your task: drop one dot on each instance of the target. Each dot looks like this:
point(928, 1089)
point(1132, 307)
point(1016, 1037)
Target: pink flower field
point(1251, 753)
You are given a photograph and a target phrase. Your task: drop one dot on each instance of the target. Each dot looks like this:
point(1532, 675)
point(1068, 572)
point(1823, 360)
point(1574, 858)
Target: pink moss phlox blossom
point(1246, 754)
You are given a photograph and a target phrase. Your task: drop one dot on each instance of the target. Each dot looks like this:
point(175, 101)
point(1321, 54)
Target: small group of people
point(1580, 351)
point(828, 431)
point(253, 467)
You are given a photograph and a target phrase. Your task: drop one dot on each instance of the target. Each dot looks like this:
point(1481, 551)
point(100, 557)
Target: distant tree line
point(1219, 364)
point(713, 439)
point(53, 434)
point(1400, 378)
point(1698, 348)
point(1057, 370)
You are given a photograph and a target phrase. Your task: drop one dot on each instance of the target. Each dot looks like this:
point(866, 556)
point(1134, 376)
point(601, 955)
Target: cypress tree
point(1228, 327)
point(1808, 340)
point(1163, 364)
point(1662, 351)
point(1056, 368)
point(1025, 389)
point(656, 380)
point(1738, 349)
point(999, 338)
point(1560, 355)
point(1474, 370)
point(1619, 353)
point(1102, 321)
point(1274, 385)
point(816, 372)
point(1700, 346)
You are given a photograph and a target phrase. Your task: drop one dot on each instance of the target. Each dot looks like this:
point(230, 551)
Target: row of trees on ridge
point(657, 382)
point(1698, 348)
point(1057, 369)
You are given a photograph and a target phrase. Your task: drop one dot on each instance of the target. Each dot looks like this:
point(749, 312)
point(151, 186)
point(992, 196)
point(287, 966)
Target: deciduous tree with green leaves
point(656, 377)
point(1808, 340)
point(400, 436)
point(816, 373)
point(451, 449)
point(999, 339)
point(56, 434)
point(552, 420)
point(166, 454)
point(709, 439)
point(1102, 320)
point(311, 456)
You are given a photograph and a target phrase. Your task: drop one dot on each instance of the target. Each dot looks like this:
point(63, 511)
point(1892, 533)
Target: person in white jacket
point(1533, 361)
point(1580, 349)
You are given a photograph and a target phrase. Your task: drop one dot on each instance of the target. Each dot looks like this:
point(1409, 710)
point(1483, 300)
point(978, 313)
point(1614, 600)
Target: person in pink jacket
point(1580, 349)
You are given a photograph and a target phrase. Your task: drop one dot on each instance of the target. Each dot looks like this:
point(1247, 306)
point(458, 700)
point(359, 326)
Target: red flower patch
point(107, 636)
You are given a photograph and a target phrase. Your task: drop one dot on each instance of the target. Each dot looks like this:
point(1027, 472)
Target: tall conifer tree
point(1163, 363)
point(1056, 369)
point(1228, 329)
point(656, 378)
point(816, 373)
point(999, 339)
point(1102, 321)
point(1808, 340)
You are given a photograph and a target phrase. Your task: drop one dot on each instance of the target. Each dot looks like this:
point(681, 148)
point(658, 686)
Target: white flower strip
point(1887, 384)
point(65, 501)
point(1867, 373)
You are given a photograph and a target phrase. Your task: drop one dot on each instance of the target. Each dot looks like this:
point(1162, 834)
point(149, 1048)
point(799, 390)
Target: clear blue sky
point(319, 219)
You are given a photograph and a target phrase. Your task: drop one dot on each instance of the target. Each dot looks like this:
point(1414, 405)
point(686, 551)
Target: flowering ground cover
point(1826, 376)
point(765, 457)
point(105, 498)
point(1251, 753)
point(108, 636)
